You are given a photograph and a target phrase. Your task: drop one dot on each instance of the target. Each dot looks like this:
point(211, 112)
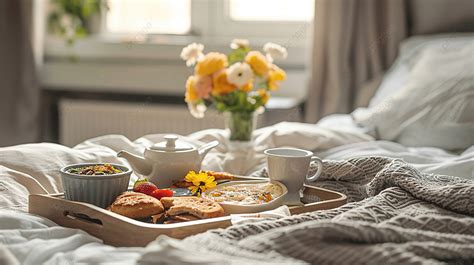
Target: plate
point(233, 208)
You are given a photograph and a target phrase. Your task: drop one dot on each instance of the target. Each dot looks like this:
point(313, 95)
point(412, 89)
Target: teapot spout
point(203, 150)
point(139, 164)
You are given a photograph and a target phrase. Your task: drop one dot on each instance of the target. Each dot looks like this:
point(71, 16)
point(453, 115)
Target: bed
point(410, 181)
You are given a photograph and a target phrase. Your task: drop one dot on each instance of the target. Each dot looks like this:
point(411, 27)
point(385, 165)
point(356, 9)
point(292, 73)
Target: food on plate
point(170, 221)
point(158, 194)
point(181, 184)
point(136, 205)
point(144, 186)
point(245, 194)
point(148, 203)
point(95, 170)
point(199, 207)
point(184, 217)
point(158, 218)
point(220, 175)
point(180, 218)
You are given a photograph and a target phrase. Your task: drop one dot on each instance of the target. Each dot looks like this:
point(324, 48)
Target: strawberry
point(144, 186)
point(158, 194)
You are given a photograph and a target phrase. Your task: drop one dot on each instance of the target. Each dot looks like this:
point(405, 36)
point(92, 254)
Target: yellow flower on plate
point(220, 83)
point(211, 63)
point(201, 182)
point(247, 87)
point(264, 95)
point(191, 94)
point(275, 75)
point(258, 62)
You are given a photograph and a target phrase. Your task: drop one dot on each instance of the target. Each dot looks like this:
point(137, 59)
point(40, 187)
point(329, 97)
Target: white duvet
point(33, 168)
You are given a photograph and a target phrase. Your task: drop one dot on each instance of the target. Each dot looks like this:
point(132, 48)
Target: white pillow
point(409, 53)
point(434, 106)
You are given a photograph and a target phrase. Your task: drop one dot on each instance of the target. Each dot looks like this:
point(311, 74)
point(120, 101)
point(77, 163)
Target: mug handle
point(319, 171)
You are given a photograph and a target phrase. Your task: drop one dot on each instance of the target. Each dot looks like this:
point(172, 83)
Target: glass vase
point(240, 125)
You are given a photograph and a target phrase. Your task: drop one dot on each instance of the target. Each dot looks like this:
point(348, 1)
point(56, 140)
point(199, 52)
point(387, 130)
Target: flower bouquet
point(237, 84)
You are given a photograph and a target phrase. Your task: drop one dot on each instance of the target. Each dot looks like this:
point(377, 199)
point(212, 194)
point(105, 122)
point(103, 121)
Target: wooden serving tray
point(118, 230)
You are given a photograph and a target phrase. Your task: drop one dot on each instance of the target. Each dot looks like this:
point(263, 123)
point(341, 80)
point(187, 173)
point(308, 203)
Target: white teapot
point(168, 161)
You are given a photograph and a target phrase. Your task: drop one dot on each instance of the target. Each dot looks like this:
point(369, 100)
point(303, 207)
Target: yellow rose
point(275, 75)
point(264, 95)
point(211, 63)
point(258, 62)
point(220, 83)
point(191, 94)
point(247, 87)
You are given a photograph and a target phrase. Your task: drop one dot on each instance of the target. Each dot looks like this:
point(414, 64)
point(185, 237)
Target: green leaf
point(262, 85)
point(79, 10)
point(242, 98)
point(237, 55)
point(220, 106)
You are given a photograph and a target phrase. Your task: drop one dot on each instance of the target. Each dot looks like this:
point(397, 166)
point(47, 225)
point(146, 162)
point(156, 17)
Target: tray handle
point(82, 217)
point(72, 213)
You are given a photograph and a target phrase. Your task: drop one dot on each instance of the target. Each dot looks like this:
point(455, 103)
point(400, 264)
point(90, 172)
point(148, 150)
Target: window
point(149, 16)
point(245, 18)
point(149, 62)
point(271, 10)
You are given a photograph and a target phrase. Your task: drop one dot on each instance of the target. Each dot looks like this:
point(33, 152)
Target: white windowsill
point(154, 47)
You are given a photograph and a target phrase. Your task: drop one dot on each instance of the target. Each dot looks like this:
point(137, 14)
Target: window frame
point(210, 19)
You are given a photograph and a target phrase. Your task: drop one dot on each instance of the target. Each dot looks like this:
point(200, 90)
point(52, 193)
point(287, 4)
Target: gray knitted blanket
point(396, 215)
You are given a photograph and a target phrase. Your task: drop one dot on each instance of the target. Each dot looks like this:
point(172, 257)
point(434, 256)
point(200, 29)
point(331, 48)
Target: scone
point(199, 207)
point(136, 205)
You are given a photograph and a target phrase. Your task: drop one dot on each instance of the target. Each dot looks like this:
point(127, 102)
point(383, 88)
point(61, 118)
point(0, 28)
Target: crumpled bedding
point(33, 168)
point(35, 240)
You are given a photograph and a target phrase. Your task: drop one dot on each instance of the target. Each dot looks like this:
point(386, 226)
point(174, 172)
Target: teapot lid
point(172, 144)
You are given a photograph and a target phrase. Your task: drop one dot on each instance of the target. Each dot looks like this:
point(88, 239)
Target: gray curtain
point(19, 92)
point(354, 42)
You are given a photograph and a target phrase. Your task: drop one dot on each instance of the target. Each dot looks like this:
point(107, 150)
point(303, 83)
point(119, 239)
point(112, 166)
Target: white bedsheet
point(33, 169)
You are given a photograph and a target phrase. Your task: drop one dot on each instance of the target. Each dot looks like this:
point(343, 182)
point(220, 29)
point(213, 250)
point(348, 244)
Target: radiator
point(83, 119)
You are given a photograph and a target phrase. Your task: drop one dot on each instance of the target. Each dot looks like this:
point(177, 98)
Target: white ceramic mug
point(290, 166)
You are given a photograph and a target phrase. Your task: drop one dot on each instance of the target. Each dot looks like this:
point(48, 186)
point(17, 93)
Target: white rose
point(239, 74)
point(239, 43)
point(274, 51)
point(197, 110)
point(260, 110)
point(251, 100)
point(192, 53)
